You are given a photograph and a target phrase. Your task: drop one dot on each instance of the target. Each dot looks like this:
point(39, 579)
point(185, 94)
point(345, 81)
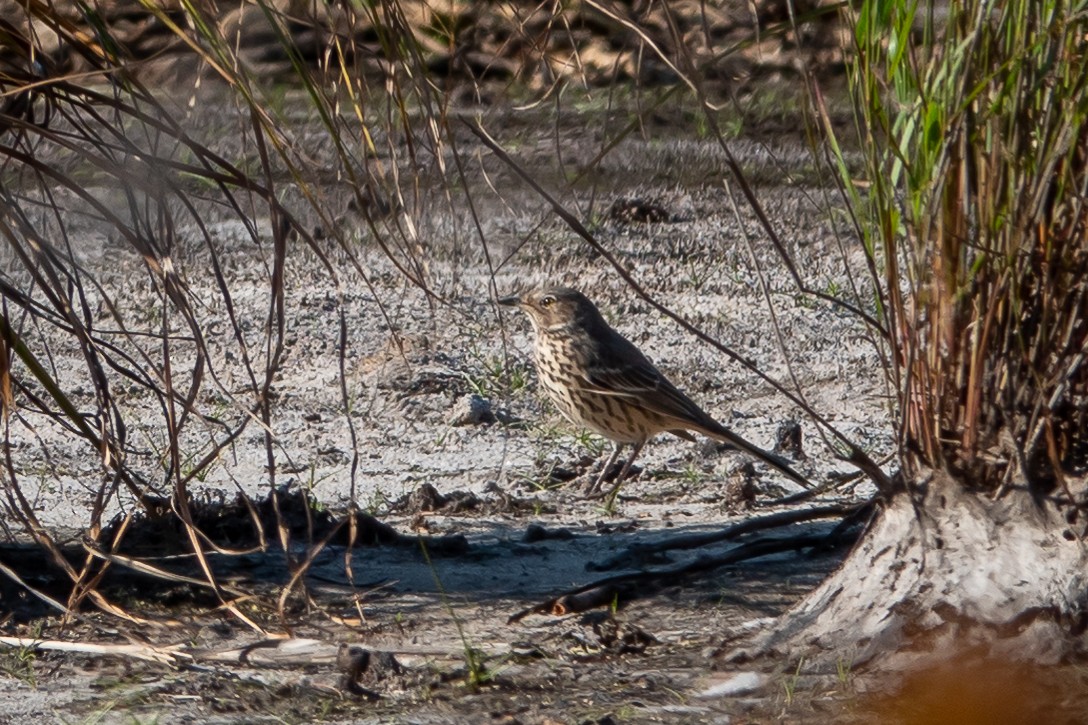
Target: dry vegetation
point(181, 186)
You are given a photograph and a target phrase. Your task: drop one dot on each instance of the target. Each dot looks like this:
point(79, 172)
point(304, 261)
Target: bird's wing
point(620, 369)
point(647, 388)
point(630, 375)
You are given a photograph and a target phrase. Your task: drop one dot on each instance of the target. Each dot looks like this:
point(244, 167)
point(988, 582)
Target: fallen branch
point(170, 655)
point(636, 553)
point(619, 590)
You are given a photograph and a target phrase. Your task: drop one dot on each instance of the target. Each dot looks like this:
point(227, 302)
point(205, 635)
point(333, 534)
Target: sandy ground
point(416, 366)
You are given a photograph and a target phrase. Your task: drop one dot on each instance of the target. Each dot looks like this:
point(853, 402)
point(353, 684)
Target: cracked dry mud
point(431, 458)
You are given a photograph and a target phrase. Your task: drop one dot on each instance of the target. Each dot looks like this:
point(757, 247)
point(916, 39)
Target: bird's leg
point(596, 485)
point(622, 474)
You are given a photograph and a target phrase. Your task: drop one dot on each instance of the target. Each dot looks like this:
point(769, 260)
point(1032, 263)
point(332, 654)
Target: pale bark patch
point(954, 571)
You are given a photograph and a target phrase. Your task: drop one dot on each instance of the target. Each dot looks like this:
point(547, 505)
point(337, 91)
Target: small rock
point(787, 440)
point(622, 637)
point(472, 410)
point(638, 211)
point(733, 684)
point(740, 489)
point(536, 532)
point(425, 498)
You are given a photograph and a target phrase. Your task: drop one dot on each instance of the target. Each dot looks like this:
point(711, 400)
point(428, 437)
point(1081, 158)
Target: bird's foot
point(596, 489)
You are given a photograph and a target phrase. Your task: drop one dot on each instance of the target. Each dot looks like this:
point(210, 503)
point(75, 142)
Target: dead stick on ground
point(167, 655)
point(692, 541)
point(619, 590)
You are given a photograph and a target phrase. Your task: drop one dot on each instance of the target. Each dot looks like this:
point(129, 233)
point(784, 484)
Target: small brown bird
point(601, 381)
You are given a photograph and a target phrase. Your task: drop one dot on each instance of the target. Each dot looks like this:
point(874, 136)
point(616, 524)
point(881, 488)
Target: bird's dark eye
point(547, 301)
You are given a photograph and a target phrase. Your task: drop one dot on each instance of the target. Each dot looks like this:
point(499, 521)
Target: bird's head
point(554, 308)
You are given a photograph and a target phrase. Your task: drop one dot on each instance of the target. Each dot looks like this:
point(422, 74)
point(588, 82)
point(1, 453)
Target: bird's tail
point(721, 433)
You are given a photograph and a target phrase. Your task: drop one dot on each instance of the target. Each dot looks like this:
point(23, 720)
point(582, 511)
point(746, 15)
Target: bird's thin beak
point(511, 301)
